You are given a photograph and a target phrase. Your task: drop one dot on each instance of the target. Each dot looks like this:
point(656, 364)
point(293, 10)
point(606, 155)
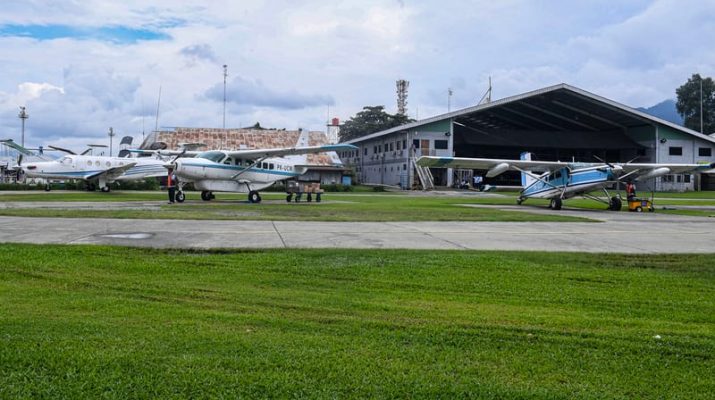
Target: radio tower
point(402, 86)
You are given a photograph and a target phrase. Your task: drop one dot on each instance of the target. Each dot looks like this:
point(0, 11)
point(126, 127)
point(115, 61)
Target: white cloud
point(288, 60)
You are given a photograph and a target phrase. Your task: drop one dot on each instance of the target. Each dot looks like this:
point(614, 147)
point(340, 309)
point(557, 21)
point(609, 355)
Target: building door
point(424, 147)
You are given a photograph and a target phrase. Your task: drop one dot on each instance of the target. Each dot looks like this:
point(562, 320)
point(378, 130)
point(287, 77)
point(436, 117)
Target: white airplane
point(100, 169)
point(562, 180)
point(242, 171)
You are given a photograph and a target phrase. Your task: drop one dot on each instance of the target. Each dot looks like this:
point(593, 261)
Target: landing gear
point(289, 197)
point(180, 196)
point(555, 203)
point(519, 200)
point(105, 189)
point(207, 195)
point(47, 187)
point(254, 197)
point(615, 203)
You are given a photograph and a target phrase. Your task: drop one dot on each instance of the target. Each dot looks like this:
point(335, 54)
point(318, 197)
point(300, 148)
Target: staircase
point(425, 176)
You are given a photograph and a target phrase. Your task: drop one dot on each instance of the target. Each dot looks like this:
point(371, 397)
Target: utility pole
point(23, 116)
point(449, 99)
point(111, 135)
point(701, 104)
point(225, 75)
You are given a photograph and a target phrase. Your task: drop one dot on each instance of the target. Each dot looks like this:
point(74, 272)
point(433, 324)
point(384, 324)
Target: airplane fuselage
point(82, 167)
point(226, 174)
point(565, 183)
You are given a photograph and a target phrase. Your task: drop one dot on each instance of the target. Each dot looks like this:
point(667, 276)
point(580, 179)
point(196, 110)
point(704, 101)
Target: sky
point(82, 66)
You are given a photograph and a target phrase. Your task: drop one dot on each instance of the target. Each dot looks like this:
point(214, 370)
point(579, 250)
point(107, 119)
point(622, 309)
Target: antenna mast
point(24, 115)
point(402, 86)
point(158, 103)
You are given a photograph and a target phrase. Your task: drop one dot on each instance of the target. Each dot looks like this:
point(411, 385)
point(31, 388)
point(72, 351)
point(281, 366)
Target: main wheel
point(289, 197)
point(555, 204)
point(206, 195)
point(254, 197)
point(519, 200)
point(105, 189)
point(180, 197)
point(47, 187)
point(615, 204)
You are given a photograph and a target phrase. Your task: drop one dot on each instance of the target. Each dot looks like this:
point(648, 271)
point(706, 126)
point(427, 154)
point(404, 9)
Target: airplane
point(241, 171)
point(101, 169)
point(563, 180)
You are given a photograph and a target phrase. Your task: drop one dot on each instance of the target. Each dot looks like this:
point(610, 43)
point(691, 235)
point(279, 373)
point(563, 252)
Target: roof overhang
point(559, 108)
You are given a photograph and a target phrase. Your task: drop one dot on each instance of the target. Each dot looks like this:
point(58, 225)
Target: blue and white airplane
point(558, 181)
point(241, 171)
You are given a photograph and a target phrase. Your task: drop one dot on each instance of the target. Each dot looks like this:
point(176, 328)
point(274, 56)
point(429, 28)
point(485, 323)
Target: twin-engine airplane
point(92, 169)
point(241, 171)
point(558, 181)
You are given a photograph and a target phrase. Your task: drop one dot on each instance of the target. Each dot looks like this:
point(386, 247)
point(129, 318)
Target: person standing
point(171, 185)
point(630, 190)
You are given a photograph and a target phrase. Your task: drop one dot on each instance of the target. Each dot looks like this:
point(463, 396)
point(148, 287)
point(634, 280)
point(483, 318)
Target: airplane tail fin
point(526, 178)
point(303, 141)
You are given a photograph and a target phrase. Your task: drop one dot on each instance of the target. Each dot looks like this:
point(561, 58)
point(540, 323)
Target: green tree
point(688, 104)
point(370, 120)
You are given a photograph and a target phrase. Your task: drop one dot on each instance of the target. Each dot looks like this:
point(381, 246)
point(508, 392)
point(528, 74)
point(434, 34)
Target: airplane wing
point(111, 173)
point(288, 151)
point(166, 153)
point(494, 165)
point(652, 170)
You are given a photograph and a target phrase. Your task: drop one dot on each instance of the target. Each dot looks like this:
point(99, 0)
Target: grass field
point(336, 207)
point(392, 206)
point(90, 322)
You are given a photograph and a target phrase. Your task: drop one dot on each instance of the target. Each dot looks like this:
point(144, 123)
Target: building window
point(374, 150)
point(391, 148)
point(404, 144)
point(705, 152)
point(404, 167)
point(416, 143)
point(398, 145)
point(686, 178)
point(441, 144)
point(365, 152)
point(675, 151)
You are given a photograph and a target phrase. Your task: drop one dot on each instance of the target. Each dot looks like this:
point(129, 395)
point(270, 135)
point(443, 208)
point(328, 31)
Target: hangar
point(556, 123)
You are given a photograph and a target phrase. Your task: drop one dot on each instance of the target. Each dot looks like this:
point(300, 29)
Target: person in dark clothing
point(171, 185)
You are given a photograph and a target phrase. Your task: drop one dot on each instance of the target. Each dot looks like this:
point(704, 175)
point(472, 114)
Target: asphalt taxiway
point(615, 232)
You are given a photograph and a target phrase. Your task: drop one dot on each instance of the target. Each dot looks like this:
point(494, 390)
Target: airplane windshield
point(215, 156)
point(66, 160)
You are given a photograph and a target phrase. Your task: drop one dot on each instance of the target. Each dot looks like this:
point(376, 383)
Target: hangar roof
point(555, 108)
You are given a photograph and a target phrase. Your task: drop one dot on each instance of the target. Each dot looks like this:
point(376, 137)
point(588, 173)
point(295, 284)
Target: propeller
point(61, 149)
point(20, 177)
point(172, 164)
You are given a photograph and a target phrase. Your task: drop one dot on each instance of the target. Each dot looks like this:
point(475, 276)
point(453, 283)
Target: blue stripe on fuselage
point(237, 169)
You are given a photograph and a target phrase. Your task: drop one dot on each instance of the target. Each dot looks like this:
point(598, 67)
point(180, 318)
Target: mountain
point(665, 110)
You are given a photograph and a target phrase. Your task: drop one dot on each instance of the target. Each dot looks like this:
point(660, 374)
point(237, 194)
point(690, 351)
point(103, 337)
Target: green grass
point(391, 206)
point(91, 322)
point(336, 207)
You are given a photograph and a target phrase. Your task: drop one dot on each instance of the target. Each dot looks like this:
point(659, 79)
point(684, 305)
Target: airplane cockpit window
point(239, 161)
point(66, 160)
point(270, 166)
point(215, 156)
point(228, 161)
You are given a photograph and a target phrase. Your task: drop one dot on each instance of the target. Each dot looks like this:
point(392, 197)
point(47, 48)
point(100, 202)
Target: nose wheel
point(180, 196)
